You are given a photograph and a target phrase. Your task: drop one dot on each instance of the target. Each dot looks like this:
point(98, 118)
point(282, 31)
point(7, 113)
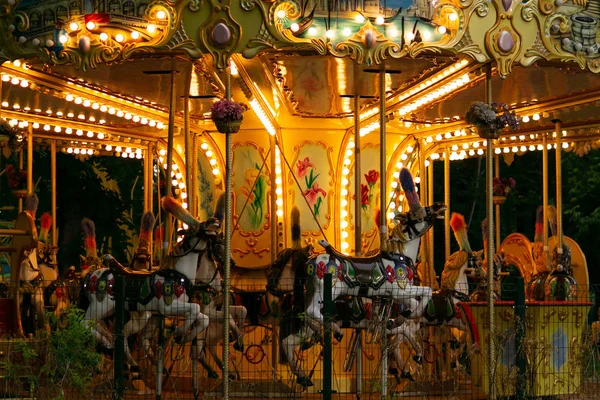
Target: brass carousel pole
point(227, 257)
point(29, 159)
point(559, 230)
point(357, 208)
point(169, 179)
point(545, 194)
point(188, 152)
point(447, 202)
point(53, 194)
point(382, 206)
point(193, 190)
point(497, 206)
point(430, 202)
point(490, 250)
point(426, 276)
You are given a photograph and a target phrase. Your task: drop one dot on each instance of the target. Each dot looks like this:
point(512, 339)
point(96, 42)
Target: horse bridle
point(200, 233)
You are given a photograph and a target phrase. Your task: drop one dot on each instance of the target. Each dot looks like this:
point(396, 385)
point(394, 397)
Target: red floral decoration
point(391, 274)
point(321, 269)
point(17, 178)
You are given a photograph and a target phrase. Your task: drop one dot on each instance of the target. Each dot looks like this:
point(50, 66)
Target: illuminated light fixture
point(151, 29)
point(295, 27)
point(103, 108)
point(63, 39)
point(359, 19)
point(330, 34)
point(160, 125)
point(76, 151)
point(24, 83)
point(57, 129)
point(144, 121)
point(347, 32)
point(104, 36)
point(74, 26)
point(262, 116)
point(410, 36)
point(35, 125)
point(312, 31)
point(426, 35)
point(565, 145)
point(525, 119)
point(15, 81)
point(90, 134)
point(441, 29)
point(69, 97)
point(161, 14)
point(453, 16)
point(70, 150)
point(5, 78)
point(118, 149)
point(379, 20)
point(119, 38)
point(46, 127)
point(151, 122)
point(112, 111)
point(90, 152)
point(78, 100)
point(136, 118)
point(79, 132)
point(95, 106)
point(281, 14)
point(87, 103)
point(108, 147)
point(68, 131)
point(233, 69)
point(536, 117)
point(120, 114)
point(135, 35)
point(393, 32)
point(90, 25)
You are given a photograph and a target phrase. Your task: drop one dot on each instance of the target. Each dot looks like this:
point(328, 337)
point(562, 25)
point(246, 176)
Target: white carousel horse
point(167, 291)
point(384, 275)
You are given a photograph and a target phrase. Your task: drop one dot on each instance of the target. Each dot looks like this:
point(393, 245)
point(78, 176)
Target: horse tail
point(220, 208)
point(83, 302)
point(552, 220)
point(89, 233)
point(296, 231)
point(539, 224)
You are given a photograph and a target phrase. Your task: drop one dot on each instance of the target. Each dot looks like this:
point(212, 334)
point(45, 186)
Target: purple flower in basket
point(494, 117)
point(226, 111)
point(503, 186)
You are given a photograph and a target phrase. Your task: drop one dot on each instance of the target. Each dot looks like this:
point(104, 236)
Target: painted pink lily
point(312, 194)
point(303, 166)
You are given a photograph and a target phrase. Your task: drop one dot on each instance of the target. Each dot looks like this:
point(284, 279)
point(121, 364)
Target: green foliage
point(56, 363)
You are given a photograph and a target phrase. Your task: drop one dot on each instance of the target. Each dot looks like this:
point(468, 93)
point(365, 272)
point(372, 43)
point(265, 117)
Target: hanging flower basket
point(491, 119)
point(499, 200)
point(227, 115)
point(19, 193)
point(11, 137)
point(228, 126)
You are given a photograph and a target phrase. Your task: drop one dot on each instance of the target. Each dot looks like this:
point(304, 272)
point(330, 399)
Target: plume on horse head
point(408, 185)
point(539, 225)
point(89, 237)
point(220, 209)
point(552, 220)
point(459, 227)
point(45, 225)
point(31, 204)
point(484, 235)
point(146, 229)
point(174, 208)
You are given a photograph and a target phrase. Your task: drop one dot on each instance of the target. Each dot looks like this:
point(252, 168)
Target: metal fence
point(543, 349)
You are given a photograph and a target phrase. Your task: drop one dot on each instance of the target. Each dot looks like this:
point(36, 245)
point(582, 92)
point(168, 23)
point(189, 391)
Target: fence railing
point(547, 349)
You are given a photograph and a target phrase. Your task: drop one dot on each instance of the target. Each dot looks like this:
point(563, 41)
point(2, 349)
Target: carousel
point(253, 264)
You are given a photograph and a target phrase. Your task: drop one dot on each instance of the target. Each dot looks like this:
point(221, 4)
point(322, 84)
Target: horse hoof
point(304, 381)
point(238, 346)
point(418, 359)
point(407, 375)
point(213, 374)
point(338, 336)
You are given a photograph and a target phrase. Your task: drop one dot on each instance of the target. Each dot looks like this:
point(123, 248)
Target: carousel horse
point(448, 306)
point(386, 275)
point(37, 269)
point(166, 291)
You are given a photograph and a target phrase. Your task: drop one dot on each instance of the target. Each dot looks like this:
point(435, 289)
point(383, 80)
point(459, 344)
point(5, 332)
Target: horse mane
point(276, 270)
point(452, 269)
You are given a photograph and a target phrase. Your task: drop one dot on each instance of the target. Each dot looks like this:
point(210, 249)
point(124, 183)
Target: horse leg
point(137, 322)
point(289, 345)
point(313, 312)
point(40, 311)
point(207, 340)
point(149, 332)
point(191, 312)
point(94, 314)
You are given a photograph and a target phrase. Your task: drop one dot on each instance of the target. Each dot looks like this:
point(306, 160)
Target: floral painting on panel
point(311, 169)
point(206, 188)
point(251, 185)
point(369, 188)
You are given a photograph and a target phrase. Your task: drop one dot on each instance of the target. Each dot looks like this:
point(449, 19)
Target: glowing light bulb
point(63, 39)
point(74, 26)
point(453, 16)
point(526, 119)
point(151, 29)
point(295, 27)
point(281, 14)
point(536, 117)
point(135, 35)
point(359, 19)
point(312, 31)
point(90, 25)
point(104, 36)
point(441, 29)
point(330, 34)
point(161, 14)
point(108, 147)
point(410, 36)
point(119, 38)
point(379, 20)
